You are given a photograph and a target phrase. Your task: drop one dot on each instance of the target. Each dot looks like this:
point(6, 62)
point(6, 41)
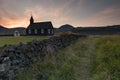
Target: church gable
point(40, 25)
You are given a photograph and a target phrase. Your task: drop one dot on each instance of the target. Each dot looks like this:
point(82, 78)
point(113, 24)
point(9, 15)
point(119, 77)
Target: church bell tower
point(31, 20)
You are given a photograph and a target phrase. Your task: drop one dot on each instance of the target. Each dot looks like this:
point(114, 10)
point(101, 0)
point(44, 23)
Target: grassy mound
point(16, 40)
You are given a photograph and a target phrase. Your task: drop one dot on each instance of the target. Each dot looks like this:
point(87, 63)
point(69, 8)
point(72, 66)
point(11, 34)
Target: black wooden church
point(39, 28)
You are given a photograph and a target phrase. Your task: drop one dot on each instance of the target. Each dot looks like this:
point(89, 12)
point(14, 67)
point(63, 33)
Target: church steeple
point(31, 20)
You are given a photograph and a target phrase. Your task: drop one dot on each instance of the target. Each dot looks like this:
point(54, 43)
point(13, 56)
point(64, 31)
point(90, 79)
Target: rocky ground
point(14, 59)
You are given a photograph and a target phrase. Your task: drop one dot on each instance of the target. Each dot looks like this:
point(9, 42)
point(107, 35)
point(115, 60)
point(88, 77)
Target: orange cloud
point(16, 13)
point(18, 22)
point(39, 13)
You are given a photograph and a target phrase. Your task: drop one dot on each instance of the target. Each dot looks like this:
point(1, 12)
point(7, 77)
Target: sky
point(79, 13)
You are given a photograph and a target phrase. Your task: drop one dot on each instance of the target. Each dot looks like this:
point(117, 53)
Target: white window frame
point(36, 31)
point(49, 31)
point(42, 31)
point(29, 31)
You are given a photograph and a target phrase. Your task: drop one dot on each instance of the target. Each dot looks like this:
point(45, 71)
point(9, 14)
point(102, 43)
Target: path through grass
point(85, 49)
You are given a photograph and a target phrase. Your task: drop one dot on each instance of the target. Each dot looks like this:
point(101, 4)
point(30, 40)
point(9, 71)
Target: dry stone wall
point(17, 58)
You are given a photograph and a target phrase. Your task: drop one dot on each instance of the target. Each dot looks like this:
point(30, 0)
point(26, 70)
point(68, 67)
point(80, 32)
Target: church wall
point(39, 31)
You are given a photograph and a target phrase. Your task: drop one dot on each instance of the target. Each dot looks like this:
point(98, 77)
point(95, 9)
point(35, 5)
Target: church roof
point(39, 25)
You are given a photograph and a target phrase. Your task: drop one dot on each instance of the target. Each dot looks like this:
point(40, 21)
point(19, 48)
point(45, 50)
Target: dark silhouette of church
point(39, 28)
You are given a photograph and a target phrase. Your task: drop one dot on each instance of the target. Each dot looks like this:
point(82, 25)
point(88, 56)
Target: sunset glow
point(16, 13)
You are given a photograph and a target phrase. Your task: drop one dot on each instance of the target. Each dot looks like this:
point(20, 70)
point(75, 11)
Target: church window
point(52, 31)
point(35, 31)
point(48, 31)
point(29, 31)
point(42, 31)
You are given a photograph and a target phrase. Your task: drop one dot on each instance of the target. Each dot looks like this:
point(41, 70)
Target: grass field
point(106, 62)
point(16, 40)
point(91, 58)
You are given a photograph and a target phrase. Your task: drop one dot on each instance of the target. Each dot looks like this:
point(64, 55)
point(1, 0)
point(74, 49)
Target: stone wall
point(17, 58)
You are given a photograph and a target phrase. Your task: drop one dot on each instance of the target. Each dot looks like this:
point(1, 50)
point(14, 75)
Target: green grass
point(107, 60)
point(92, 58)
point(64, 65)
point(16, 40)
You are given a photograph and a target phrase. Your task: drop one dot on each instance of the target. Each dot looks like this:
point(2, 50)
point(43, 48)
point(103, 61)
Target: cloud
point(75, 12)
point(44, 14)
point(58, 13)
point(19, 22)
point(11, 19)
point(108, 16)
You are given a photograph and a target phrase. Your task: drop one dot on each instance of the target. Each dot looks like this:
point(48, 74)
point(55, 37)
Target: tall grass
point(92, 58)
point(107, 60)
point(57, 66)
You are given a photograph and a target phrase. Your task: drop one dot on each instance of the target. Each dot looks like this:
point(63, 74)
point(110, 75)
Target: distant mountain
point(2, 28)
point(20, 29)
point(103, 30)
point(65, 27)
point(106, 30)
point(10, 31)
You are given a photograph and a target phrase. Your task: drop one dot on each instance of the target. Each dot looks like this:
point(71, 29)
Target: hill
point(64, 28)
point(2, 29)
point(10, 31)
point(10, 40)
point(20, 29)
point(104, 30)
